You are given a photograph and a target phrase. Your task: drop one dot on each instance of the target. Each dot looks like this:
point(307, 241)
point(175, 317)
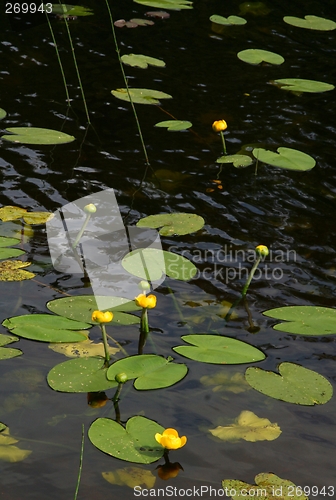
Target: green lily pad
point(7, 253)
point(151, 264)
point(228, 21)
point(9, 353)
point(11, 270)
point(35, 135)
point(166, 4)
point(269, 484)
point(142, 61)
point(80, 375)
point(80, 308)
point(302, 85)
point(141, 96)
point(3, 114)
point(311, 23)
point(287, 158)
point(217, 349)
point(174, 125)
point(135, 443)
point(257, 56)
point(149, 370)
point(295, 384)
point(239, 161)
point(173, 224)
point(305, 320)
point(71, 10)
point(46, 328)
point(7, 339)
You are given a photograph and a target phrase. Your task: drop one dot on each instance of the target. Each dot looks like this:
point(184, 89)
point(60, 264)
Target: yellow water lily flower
point(102, 317)
point(219, 126)
point(145, 301)
point(262, 250)
point(170, 439)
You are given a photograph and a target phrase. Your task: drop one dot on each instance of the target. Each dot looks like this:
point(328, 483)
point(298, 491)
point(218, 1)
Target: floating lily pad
point(311, 23)
point(305, 320)
point(11, 270)
point(65, 10)
point(295, 384)
point(257, 56)
point(3, 113)
point(10, 212)
point(166, 4)
point(131, 476)
point(35, 135)
point(135, 443)
point(142, 61)
point(9, 353)
point(7, 253)
point(239, 161)
point(228, 21)
point(248, 426)
point(174, 125)
point(80, 308)
point(142, 22)
point(301, 85)
point(46, 328)
point(159, 14)
point(269, 484)
point(151, 264)
point(217, 349)
point(80, 375)
point(141, 96)
point(287, 158)
point(149, 370)
point(171, 224)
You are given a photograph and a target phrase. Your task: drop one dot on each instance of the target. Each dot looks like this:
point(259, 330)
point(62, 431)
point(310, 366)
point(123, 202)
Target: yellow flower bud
point(102, 317)
point(145, 301)
point(219, 126)
point(262, 250)
point(170, 439)
point(90, 208)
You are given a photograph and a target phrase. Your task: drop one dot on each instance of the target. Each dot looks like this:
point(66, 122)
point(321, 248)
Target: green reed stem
point(249, 279)
point(80, 464)
point(126, 84)
point(223, 142)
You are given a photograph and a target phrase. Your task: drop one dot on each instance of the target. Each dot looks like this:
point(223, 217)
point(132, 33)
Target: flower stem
point(144, 321)
point(80, 234)
point(223, 142)
point(249, 279)
point(106, 346)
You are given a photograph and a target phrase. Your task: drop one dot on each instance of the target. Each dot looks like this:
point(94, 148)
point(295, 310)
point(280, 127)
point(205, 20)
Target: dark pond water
point(292, 212)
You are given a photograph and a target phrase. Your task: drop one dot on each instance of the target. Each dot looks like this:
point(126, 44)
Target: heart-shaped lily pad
point(287, 158)
point(174, 125)
point(149, 370)
point(239, 161)
point(10, 212)
point(257, 56)
point(35, 135)
point(311, 23)
point(7, 352)
point(11, 270)
point(135, 443)
point(295, 384)
point(166, 4)
point(46, 328)
point(218, 350)
point(305, 320)
point(65, 10)
point(171, 224)
point(142, 61)
point(141, 96)
point(80, 375)
point(7, 253)
point(228, 21)
point(3, 113)
point(301, 85)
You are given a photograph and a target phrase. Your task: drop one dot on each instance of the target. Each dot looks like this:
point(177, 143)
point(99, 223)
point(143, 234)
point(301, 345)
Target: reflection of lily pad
point(249, 427)
point(228, 21)
point(171, 224)
point(167, 4)
point(239, 161)
point(174, 125)
point(141, 96)
point(302, 85)
point(295, 384)
point(305, 320)
point(142, 61)
point(311, 23)
point(131, 476)
point(257, 56)
point(268, 483)
point(11, 270)
point(287, 158)
point(35, 135)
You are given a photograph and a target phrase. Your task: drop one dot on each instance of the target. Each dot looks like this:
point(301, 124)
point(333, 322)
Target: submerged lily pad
point(35, 135)
point(11, 270)
point(141, 96)
point(268, 484)
point(294, 384)
point(311, 23)
point(304, 320)
point(9, 452)
point(257, 56)
point(131, 476)
point(85, 349)
point(248, 426)
point(228, 21)
point(302, 85)
point(174, 125)
point(142, 61)
point(135, 443)
point(218, 350)
point(166, 4)
point(171, 224)
point(239, 161)
point(287, 158)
